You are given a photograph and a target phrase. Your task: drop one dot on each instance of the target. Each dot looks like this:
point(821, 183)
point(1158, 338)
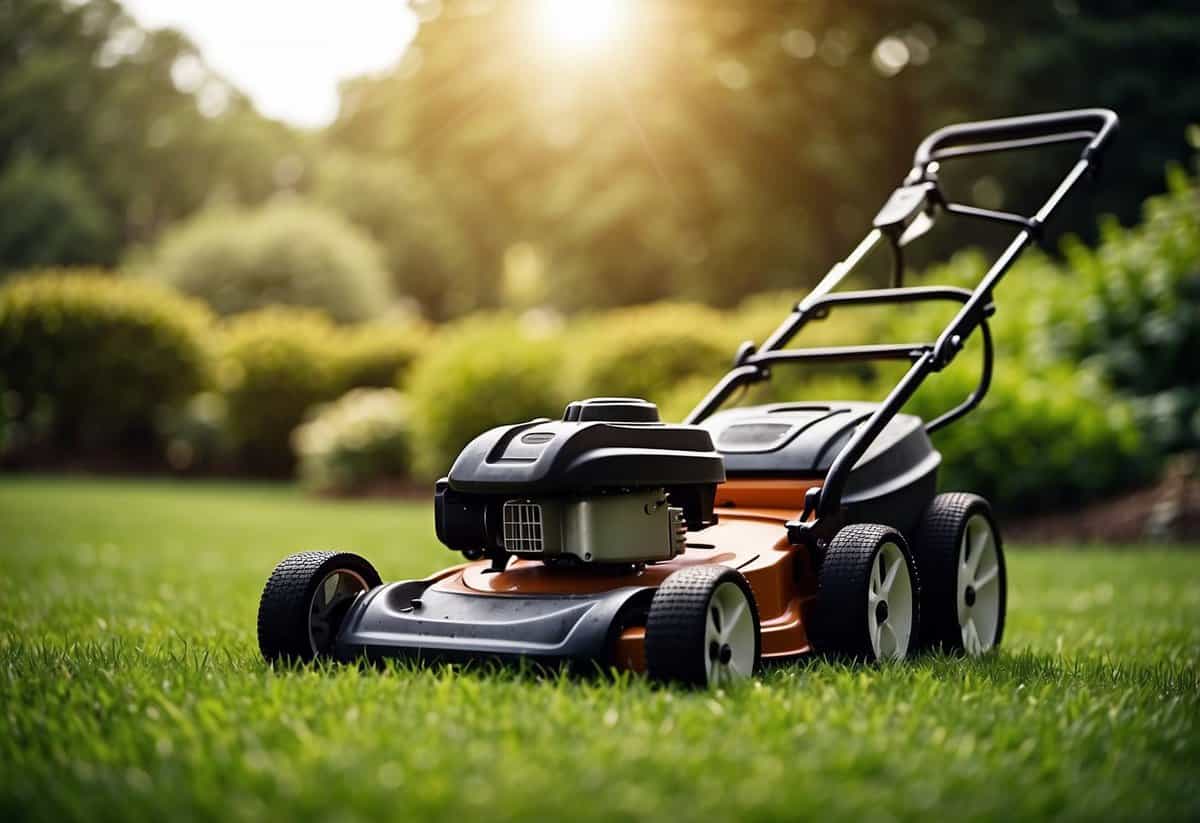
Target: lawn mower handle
point(919, 195)
point(1008, 133)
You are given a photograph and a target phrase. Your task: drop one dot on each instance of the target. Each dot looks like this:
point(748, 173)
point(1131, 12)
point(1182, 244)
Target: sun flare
point(580, 26)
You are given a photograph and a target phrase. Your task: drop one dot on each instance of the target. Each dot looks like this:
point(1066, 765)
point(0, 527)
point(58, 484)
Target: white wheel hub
point(978, 590)
point(728, 636)
point(890, 604)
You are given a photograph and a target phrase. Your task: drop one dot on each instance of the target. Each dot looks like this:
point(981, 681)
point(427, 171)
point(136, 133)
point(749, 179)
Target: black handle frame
point(823, 508)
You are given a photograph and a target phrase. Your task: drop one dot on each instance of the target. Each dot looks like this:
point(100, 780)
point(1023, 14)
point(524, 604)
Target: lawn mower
point(697, 552)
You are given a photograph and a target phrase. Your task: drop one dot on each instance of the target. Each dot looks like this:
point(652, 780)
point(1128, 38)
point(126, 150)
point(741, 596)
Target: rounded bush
point(274, 365)
point(284, 253)
point(646, 351)
point(359, 441)
point(90, 361)
point(378, 355)
point(480, 374)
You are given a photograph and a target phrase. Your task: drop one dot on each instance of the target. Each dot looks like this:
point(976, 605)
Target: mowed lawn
point(131, 688)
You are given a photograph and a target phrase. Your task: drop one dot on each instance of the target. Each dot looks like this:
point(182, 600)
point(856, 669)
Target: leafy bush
point(1140, 319)
point(1041, 439)
point(378, 355)
point(90, 361)
point(482, 373)
point(284, 253)
point(358, 441)
point(275, 364)
point(646, 350)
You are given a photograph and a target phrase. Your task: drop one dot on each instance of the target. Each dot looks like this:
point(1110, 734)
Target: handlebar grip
point(1021, 132)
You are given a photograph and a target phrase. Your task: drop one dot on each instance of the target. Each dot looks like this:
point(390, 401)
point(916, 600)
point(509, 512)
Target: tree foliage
point(109, 132)
point(727, 148)
point(714, 150)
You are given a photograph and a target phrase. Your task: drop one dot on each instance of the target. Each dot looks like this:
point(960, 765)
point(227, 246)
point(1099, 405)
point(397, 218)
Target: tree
point(115, 132)
point(725, 148)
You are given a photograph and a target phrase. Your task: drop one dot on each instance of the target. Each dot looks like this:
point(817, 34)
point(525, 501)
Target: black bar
point(968, 136)
point(1013, 145)
point(964, 210)
point(908, 294)
point(969, 316)
point(830, 501)
point(843, 354)
point(803, 311)
point(976, 397)
point(734, 378)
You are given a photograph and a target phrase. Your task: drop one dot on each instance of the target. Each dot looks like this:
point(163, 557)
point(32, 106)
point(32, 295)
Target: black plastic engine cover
point(891, 483)
point(571, 456)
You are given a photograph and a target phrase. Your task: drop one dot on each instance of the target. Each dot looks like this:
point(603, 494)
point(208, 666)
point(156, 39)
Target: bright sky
point(288, 55)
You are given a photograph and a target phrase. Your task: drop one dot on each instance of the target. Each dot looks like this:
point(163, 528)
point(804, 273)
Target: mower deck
point(578, 615)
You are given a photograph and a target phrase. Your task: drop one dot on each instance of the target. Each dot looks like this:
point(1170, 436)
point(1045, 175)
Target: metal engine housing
point(635, 527)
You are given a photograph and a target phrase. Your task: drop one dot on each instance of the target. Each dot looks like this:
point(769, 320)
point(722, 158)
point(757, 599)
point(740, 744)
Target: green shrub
point(480, 373)
point(379, 355)
point(359, 441)
point(1139, 318)
point(90, 361)
point(1041, 439)
point(645, 351)
point(284, 253)
point(275, 364)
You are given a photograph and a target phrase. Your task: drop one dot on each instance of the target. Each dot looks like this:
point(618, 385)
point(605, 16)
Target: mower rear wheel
point(305, 600)
point(867, 596)
point(965, 595)
point(702, 629)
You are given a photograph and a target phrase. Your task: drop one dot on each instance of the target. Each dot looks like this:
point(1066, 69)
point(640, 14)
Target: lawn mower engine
point(607, 484)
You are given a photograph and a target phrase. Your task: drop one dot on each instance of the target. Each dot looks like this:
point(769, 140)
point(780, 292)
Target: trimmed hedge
point(358, 441)
point(90, 361)
point(274, 366)
point(480, 374)
point(645, 351)
point(284, 253)
point(379, 355)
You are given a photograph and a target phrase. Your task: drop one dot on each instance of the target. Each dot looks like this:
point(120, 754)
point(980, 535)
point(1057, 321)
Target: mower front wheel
point(702, 629)
point(867, 596)
point(305, 601)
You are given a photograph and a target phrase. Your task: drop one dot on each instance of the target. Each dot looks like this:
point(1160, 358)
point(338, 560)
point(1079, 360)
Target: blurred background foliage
point(495, 226)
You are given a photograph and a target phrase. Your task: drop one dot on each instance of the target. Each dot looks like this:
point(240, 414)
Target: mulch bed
point(1168, 512)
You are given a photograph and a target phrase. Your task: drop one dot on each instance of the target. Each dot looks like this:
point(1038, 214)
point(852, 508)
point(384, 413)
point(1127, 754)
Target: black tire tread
point(840, 626)
point(283, 607)
point(937, 545)
point(675, 625)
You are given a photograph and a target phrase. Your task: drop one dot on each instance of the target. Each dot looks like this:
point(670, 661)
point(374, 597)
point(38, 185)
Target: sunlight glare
point(579, 26)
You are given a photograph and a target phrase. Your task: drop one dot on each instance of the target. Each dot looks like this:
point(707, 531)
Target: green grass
point(131, 688)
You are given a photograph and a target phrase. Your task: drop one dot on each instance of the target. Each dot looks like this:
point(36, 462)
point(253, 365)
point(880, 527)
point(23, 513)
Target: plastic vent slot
point(523, 527)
